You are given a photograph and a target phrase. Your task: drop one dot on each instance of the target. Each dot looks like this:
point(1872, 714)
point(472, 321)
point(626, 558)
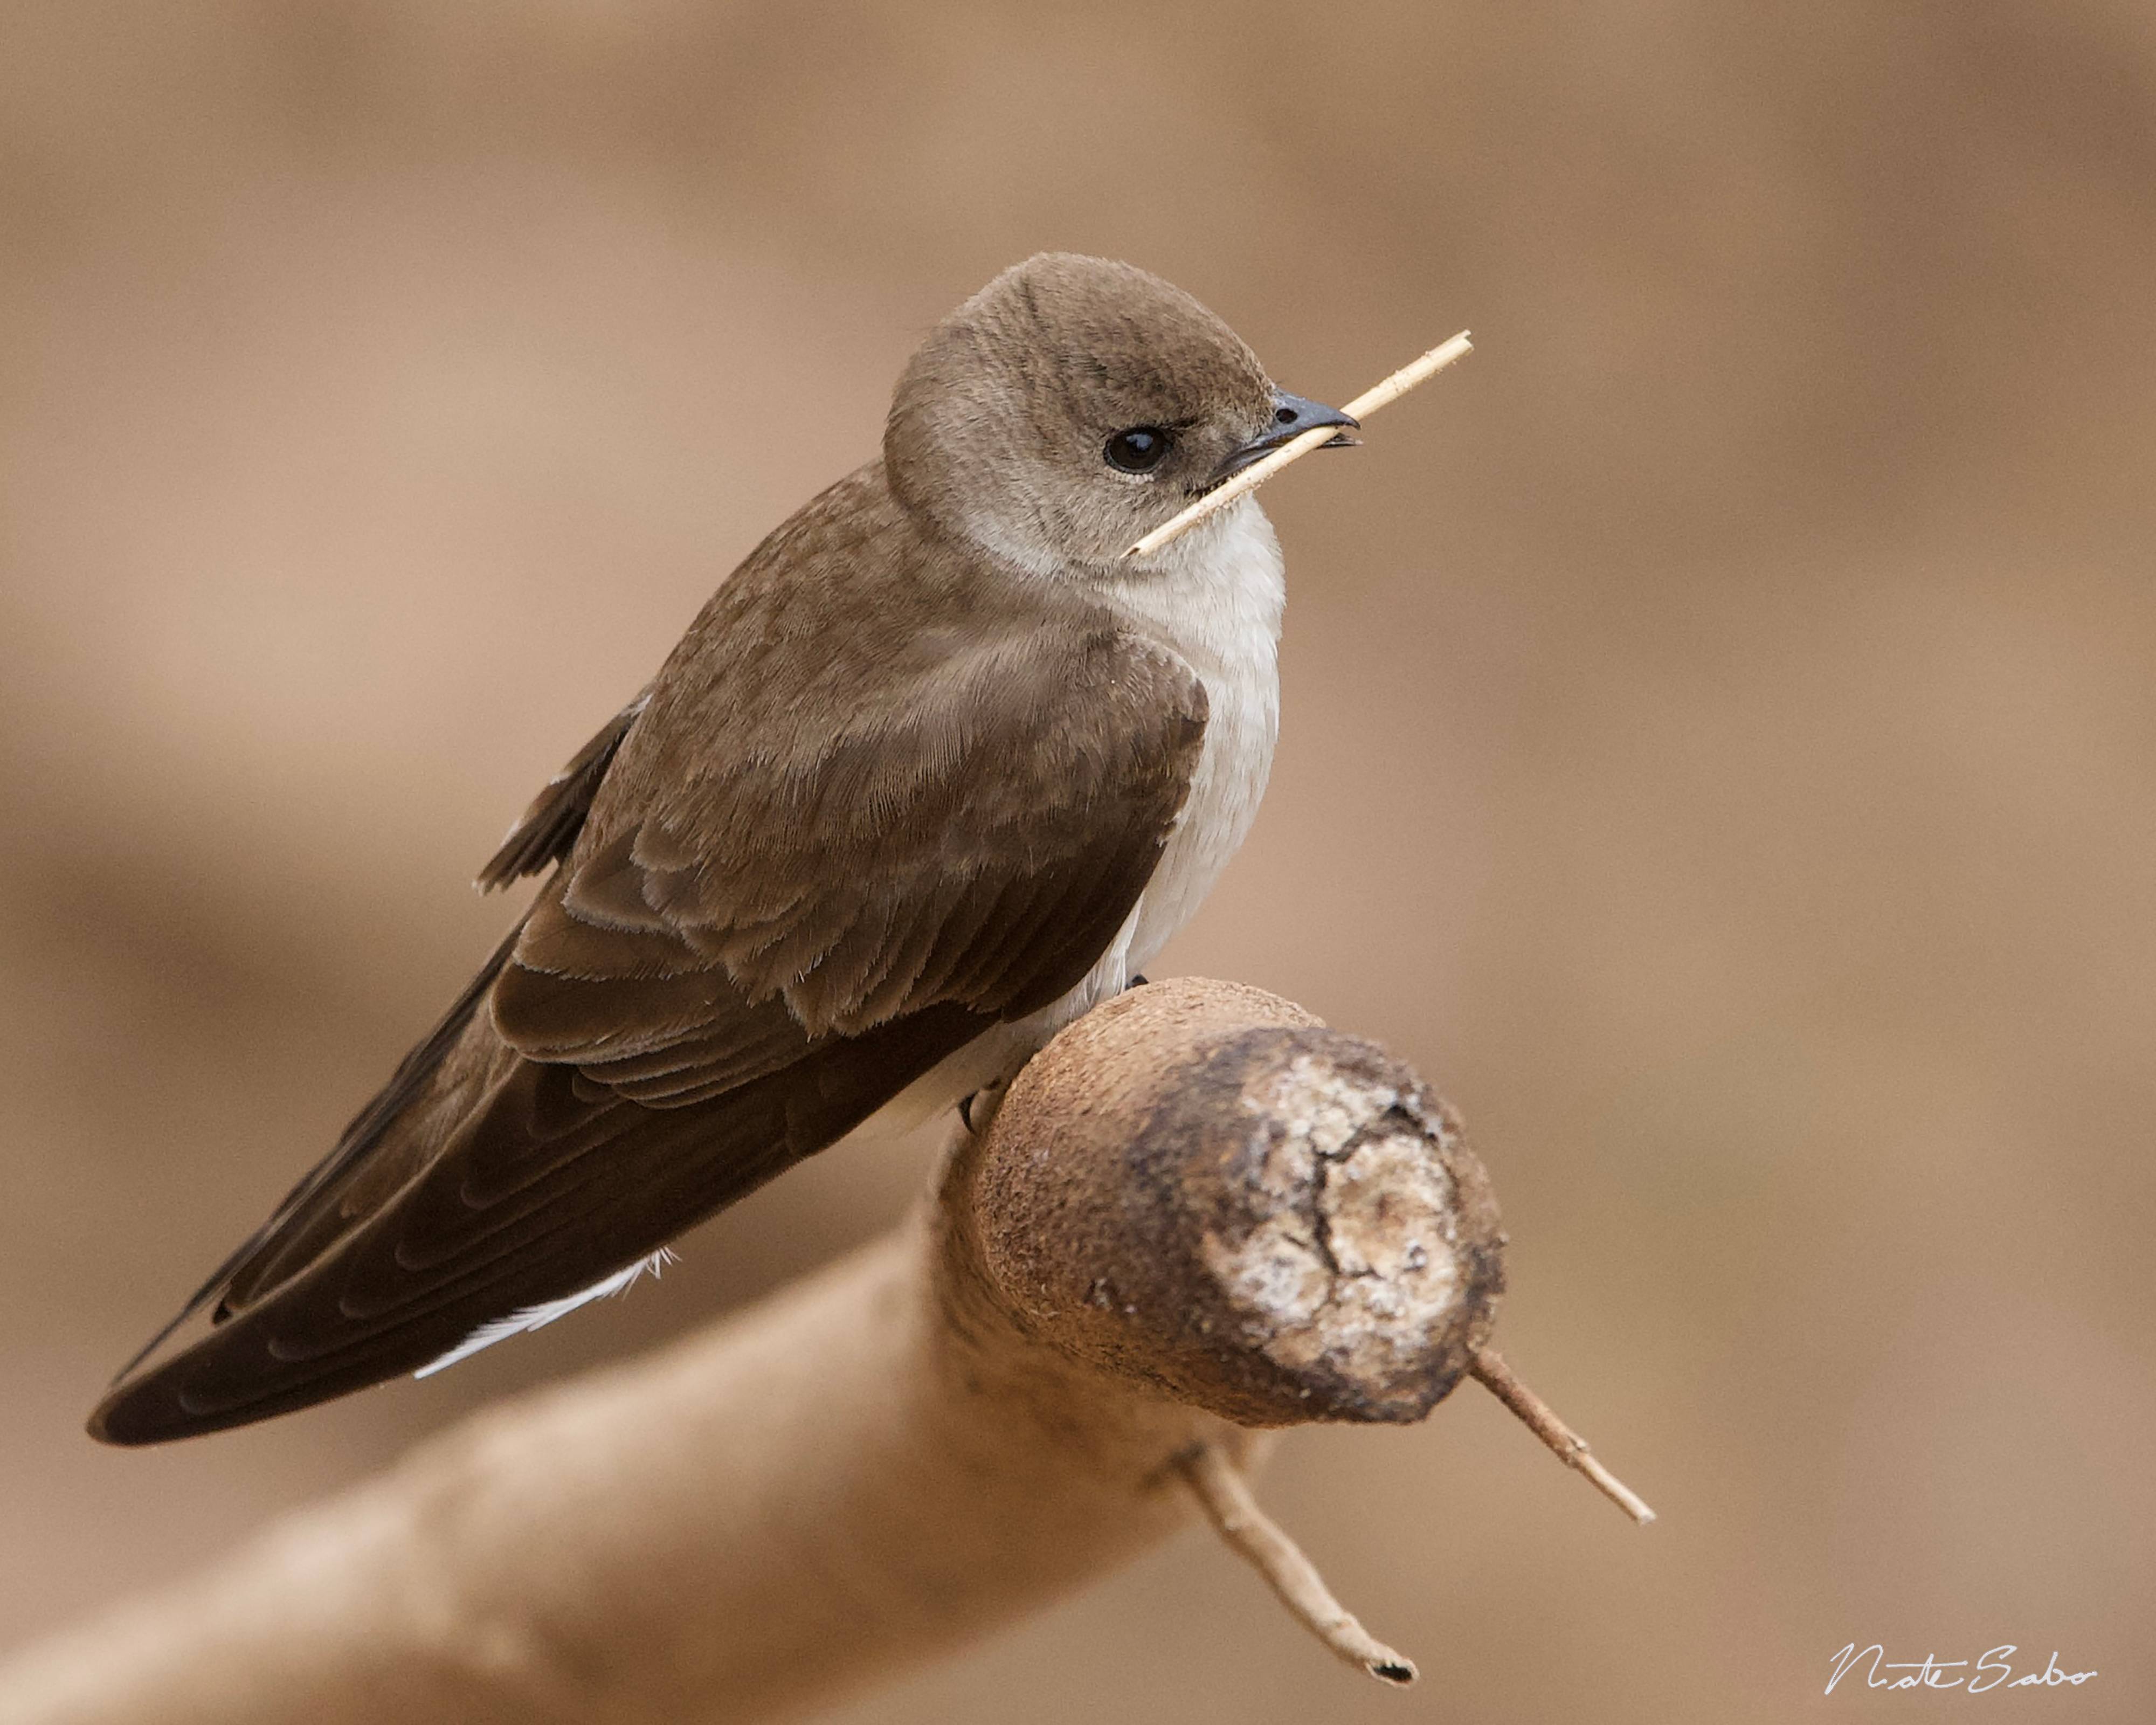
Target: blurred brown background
point(1720, 743)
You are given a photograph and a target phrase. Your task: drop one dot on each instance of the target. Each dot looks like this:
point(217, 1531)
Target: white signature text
point(1993, 1671)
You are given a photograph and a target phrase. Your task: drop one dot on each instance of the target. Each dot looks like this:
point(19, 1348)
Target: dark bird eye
point(1137, 450)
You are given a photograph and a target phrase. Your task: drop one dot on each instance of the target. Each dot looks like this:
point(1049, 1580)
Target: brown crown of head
point(1002, 424)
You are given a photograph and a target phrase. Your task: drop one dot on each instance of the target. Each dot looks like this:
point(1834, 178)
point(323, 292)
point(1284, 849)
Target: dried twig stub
point(1220, 1487)
point(1566, 1445)
point(1380, 394)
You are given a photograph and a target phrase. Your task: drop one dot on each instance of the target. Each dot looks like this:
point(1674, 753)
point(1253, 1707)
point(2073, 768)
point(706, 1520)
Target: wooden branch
point(1197, 1212)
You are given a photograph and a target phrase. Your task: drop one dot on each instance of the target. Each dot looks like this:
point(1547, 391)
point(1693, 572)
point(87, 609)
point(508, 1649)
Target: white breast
point(1218, 607)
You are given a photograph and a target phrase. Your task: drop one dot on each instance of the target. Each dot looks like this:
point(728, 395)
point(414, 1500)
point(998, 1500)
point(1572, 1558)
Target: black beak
point(1292, 416)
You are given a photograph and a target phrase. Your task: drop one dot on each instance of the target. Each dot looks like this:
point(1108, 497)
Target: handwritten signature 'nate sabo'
point(1992, 1671)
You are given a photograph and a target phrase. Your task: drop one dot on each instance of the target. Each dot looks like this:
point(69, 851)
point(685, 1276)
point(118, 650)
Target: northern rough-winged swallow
point(937, 769)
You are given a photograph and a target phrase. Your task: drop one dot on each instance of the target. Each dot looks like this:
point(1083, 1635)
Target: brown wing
point(850, 831)
point(850, 824)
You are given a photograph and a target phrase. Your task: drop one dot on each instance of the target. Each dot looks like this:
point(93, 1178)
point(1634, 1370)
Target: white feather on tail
point(537, 1317)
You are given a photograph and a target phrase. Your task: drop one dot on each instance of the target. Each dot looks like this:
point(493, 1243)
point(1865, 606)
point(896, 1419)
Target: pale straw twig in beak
point(1251, 478)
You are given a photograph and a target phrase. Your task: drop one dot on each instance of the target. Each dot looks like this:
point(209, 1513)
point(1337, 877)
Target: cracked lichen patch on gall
point(1352, 1267)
